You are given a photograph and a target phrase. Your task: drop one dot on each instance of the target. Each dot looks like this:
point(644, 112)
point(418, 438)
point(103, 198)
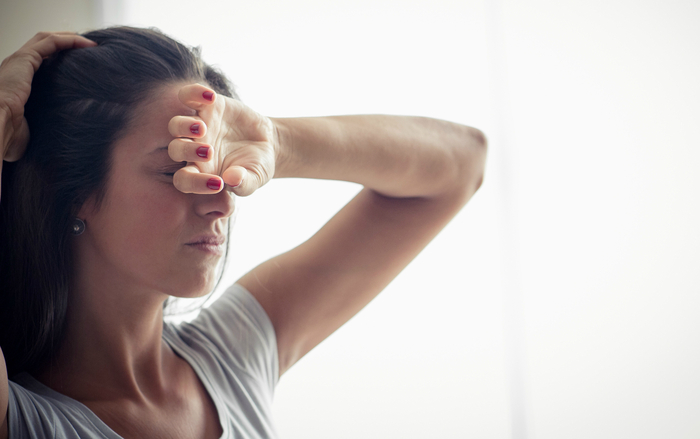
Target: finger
point(55, 42)
point(84, 42)
point(185, 150)
point(196, 96)
point(41, 35)
point(187, 126)
point(234, 175)
point(191, 181)
point(242, 182)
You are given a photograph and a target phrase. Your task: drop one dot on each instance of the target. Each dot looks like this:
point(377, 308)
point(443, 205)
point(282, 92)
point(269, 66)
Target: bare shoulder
point(4, 395)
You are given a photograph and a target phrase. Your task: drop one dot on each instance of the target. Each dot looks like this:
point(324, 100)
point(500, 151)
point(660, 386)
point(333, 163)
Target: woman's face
point(140, 237)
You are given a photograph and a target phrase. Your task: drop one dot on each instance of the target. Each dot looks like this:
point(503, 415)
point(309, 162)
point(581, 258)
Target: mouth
point(208, 239)
point(213, 244)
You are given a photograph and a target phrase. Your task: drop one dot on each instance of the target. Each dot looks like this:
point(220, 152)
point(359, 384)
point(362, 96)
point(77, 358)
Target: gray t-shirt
point(231, 345)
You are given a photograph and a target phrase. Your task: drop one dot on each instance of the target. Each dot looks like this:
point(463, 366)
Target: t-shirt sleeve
point(238, 326)
point(28, 415)
point(31, 415)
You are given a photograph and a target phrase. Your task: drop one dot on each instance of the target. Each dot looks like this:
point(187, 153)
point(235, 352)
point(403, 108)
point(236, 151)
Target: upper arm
point(313, 289)
point(4, 396)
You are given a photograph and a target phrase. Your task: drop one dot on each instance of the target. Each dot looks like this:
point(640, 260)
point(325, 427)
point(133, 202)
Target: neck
point(112, 346)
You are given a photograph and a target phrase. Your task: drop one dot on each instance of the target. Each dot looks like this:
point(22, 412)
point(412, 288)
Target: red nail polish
point(195, 128)
point(203, 151)
point(208, 95)
point(214, 184)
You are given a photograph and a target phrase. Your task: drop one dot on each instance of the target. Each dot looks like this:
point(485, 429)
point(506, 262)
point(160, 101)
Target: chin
point(193, 287)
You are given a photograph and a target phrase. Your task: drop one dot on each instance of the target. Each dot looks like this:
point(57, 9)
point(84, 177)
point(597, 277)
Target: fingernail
point(208, 95)
point(214, 184)
point(195, 128)
point(203, 151)
point(239, 183)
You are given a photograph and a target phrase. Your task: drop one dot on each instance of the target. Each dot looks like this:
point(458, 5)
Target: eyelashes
point(170, 171)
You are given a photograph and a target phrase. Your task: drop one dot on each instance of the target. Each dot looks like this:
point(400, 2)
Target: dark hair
point(81, 102)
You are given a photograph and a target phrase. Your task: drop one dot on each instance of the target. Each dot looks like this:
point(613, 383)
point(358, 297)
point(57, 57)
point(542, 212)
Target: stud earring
point(78, 226)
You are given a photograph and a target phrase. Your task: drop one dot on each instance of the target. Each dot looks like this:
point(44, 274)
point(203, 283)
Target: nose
point(219, 205)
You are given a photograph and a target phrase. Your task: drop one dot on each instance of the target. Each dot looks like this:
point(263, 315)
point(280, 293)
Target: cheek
point(144, 229)
point(149, 223)
point(160, 214)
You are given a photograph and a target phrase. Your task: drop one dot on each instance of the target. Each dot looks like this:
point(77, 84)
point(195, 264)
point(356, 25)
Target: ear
point(88, 208)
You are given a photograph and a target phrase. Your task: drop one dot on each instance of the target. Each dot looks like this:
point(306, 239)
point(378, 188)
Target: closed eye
point(170, 171)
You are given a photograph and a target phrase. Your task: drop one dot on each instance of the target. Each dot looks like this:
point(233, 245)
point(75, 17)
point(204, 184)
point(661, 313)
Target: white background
point(563, 300)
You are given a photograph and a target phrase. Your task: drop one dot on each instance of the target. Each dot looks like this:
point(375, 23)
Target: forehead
point(149, 127)
point(162, 105)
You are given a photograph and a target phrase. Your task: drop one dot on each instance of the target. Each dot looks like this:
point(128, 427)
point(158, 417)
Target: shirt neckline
point(175, 344)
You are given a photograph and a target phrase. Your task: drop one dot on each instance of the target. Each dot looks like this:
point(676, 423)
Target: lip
point(213, 244)
point(208, 239)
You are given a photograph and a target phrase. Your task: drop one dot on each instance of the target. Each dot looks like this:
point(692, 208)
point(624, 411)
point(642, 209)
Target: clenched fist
point(226, 140)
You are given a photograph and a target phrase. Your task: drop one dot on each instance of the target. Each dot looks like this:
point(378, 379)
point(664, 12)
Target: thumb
point(242, 181)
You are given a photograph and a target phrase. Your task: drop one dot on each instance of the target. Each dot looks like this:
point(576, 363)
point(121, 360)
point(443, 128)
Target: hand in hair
point(16, 73)
point(243, 144)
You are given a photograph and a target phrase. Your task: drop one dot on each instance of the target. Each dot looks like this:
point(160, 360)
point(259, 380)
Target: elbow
point(472, 160)
point(478, 137)
point(467, 163)
point(481, 146)
point(458, 170)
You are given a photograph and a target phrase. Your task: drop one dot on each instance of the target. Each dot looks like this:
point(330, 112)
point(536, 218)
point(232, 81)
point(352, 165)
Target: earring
point(78, 226)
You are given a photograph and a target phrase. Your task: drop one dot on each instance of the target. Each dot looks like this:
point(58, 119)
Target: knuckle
point(175, 150)
point(22, 53)
point(181, 182)
point(173, 125)
point(171, 149)
point(26, 55)
point(188, 152)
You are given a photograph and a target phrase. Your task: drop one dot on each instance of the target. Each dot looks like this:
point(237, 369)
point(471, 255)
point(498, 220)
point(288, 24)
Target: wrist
point(282, 145)
point(310, 147)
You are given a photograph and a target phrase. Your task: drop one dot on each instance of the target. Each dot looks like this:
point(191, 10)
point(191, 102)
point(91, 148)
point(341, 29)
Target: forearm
point(397, 156)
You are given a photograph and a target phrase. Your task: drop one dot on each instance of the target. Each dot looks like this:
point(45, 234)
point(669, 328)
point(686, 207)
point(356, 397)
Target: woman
point(123, 198)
